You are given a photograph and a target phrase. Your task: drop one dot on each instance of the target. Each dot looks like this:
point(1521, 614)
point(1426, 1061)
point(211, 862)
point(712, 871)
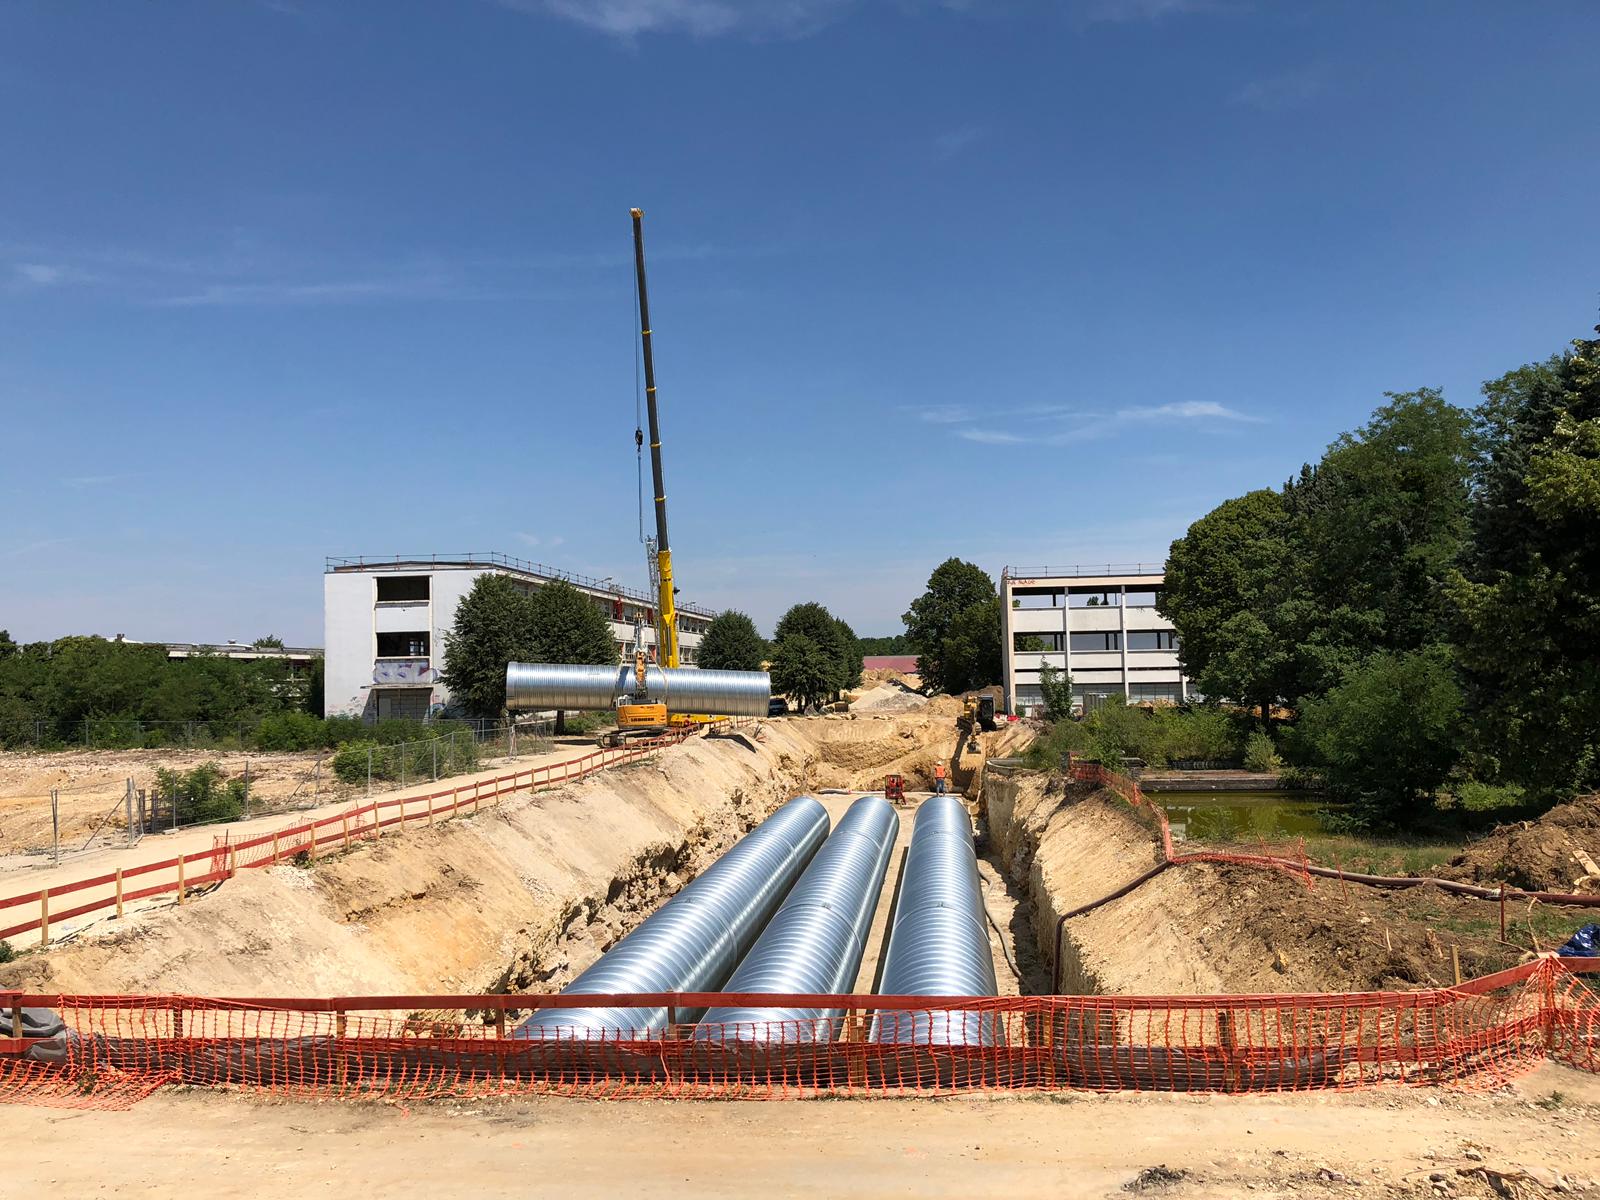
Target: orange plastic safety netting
point(1478, 1035)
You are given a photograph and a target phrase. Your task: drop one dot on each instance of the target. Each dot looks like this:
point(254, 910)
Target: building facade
point(1099, 624)
point(384, 622)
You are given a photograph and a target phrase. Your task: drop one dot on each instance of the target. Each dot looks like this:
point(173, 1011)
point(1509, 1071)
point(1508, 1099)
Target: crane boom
point(667, 609)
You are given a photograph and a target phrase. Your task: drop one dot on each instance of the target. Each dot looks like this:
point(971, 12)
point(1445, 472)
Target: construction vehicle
point(636, 718)
point(894, 788)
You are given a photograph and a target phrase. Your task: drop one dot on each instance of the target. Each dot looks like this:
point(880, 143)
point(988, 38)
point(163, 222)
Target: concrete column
point(1122, 638)
point(1066, 628)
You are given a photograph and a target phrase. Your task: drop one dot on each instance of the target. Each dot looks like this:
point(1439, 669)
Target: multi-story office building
point(1097, 623)
point(384, 621)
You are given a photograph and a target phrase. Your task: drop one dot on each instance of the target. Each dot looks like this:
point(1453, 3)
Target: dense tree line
point(48, 689)
point(1421, 606)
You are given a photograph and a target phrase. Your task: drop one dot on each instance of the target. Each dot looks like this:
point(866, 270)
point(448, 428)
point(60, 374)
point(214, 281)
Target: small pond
point(1241, 816)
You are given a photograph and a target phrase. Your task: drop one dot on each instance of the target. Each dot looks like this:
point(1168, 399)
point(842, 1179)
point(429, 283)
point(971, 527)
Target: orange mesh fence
point(1291, 860)
point(1478, 1035)
point(34, 911)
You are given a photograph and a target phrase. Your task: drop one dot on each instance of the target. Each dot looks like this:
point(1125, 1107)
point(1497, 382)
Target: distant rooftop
point(492, 558)
point(1084, 570)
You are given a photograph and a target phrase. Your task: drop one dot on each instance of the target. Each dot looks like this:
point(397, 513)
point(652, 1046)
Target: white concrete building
point(1098, 623)
point(384, 621)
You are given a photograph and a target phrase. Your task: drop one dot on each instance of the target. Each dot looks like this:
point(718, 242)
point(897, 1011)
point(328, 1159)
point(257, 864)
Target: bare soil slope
point(1205, 928)
point(521, 895)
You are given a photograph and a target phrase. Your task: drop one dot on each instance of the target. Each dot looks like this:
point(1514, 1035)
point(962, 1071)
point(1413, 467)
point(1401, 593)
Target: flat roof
point(480, 559)
point(1086, 571)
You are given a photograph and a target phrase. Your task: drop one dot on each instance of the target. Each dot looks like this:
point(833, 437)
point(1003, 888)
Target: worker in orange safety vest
point(941, 778)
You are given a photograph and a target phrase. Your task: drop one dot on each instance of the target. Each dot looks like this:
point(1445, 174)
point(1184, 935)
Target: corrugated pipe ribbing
point(939, 940)
point(693, 942)
point(531, 687)
point(816, 941)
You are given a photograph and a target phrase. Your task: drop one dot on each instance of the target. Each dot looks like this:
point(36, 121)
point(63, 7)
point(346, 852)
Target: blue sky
point(1022, 281)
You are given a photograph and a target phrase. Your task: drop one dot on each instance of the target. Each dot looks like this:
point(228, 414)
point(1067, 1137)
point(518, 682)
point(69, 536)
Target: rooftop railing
point(493, 558)
point(1084, 570)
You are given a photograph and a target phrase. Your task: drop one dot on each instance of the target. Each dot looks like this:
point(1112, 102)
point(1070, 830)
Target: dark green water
point(1240, 816)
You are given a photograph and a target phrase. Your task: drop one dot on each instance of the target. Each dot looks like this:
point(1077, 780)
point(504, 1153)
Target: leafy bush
point(291, 731)
point(1481, 797)
point(406, 762)
point(1261, 754)
point(6, 952)
point(202, 795)
point(350, 763)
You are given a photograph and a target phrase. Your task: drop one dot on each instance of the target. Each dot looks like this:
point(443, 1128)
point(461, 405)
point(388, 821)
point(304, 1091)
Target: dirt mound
point(887, 698)
point(1536, 855)
point(877, 675)
point(857, 751)
point(1207, 928)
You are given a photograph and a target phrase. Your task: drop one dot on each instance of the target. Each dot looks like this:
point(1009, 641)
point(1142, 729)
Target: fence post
point(369, 770)
point(180, 878)
point(434, 745)
point(127, 809)
point(247, 787)
point(55, 824)
point(119, 893)
point(274, 847)
point(344, 827)
point(44, 919)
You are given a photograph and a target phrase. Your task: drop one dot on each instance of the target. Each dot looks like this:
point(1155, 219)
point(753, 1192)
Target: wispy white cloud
point(88, 481)
point(1137, 10)
point(1290, 89)
point(697, 18)
point(989, 437)
point(1186, 410)
point(335, 291)
point(32, 547)
point(51, 274)
point(952, 142)
point(944, 414)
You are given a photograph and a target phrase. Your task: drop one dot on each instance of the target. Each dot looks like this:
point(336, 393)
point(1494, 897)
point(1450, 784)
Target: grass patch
point(1381, 855)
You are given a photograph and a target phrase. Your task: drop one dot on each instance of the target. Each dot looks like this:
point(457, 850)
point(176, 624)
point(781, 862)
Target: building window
point(1035, 599)
point(403, 589)
point(1152, 639)
point(1092, 599)
point(1143, 599)
point(1095, 643)
point(1026, 643)
point(403, 645)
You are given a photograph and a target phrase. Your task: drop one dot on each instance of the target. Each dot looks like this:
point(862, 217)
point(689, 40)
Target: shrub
point(350, 763)
point(291, 731)
point(202, 795)
point(1261, 755)
point(6, 952)
point(1479, 797)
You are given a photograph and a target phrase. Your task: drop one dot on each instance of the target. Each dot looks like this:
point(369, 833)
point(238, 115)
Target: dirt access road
point(1377, 1144)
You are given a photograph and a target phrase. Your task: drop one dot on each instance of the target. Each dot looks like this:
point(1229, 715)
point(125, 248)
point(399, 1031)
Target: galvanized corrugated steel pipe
point(938, 940)
point(693, 942)
point(816, 941)
point(535, 686)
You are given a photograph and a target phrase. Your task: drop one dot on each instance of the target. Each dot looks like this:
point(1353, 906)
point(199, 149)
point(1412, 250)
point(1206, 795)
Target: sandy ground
point(92, 784)
point(1376, 1144)
point(31, 873)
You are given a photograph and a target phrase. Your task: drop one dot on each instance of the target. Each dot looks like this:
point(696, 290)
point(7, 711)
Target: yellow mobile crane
point(643, 717)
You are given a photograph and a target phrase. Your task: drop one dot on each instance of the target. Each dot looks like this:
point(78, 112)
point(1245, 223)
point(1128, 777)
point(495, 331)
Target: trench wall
point(521, 895)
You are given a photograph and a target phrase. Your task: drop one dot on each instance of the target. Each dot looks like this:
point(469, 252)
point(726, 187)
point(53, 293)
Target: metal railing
point(493, 558)
point(1084, 570)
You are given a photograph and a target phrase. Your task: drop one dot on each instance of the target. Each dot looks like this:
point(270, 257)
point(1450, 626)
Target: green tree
point(1527, 599)
point(732, 644)
point(804, 670)
point(895, 644)
point(568, 627)
point(1226, 594)
point(970, 656)
point(7, 646)
point(1389, 735)
point(850, 654)
point(814, 622)
point(1377, 527)
point(1055, 689)
point(954, 588)
point(496, 623)
point(269, 641)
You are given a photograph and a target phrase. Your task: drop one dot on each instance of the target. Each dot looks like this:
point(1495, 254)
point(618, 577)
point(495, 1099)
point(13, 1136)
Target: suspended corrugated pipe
point(939, 941)
point(537, 686)
point(692, 943)
point(816, 941)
